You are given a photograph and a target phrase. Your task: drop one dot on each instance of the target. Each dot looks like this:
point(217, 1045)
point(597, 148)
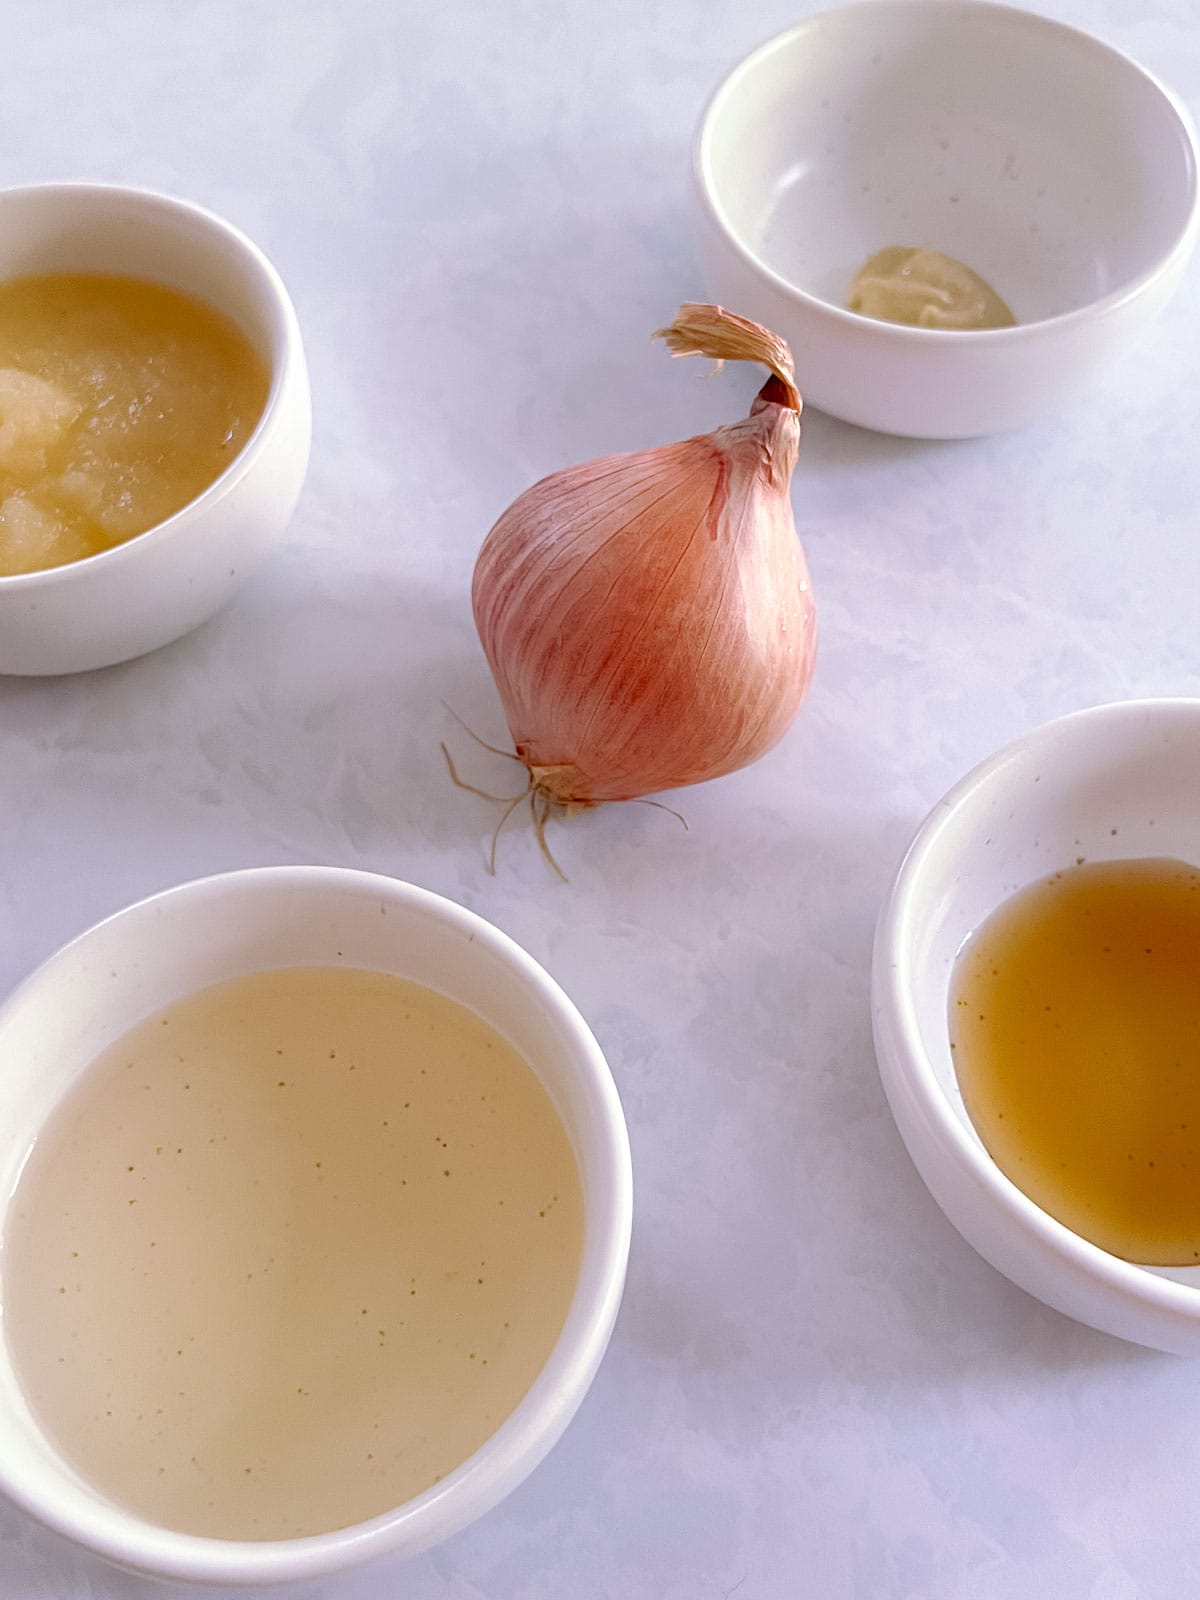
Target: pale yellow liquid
point(1075, 1026)
point(289, 1253)
point(120, 401)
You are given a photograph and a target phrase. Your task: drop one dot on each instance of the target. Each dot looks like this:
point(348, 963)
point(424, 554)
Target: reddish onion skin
point(648, 618)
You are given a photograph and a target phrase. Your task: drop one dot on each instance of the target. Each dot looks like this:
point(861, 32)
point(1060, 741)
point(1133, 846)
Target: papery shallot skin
point(648, 618)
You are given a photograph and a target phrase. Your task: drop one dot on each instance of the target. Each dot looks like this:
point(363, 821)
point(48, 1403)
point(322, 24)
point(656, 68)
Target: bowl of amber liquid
point(155, 421)
point(318, 1210)
point(1036, 1009)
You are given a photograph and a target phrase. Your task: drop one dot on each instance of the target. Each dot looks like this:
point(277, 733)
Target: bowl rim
point(285, 366)
point(531, 1430)
point(902, 335)
point(905, 1066)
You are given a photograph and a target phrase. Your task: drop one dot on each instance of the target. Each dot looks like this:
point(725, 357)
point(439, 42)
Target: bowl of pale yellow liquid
point(1036, 1007)
point(154, 421)
point(319, 1213)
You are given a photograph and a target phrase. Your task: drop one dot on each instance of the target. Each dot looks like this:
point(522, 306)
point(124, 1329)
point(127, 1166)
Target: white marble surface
point(815, 1388)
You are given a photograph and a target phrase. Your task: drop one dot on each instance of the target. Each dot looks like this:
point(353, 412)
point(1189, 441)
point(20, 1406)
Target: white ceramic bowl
point(167, 947)
point(1047, 161)
point(1117, 781)
point(164, 582)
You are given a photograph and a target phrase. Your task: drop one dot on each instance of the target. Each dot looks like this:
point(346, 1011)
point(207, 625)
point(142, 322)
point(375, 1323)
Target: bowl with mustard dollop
point(155, 421)
point(955, 214)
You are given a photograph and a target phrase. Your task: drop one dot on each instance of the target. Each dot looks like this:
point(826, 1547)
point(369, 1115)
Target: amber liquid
point(1075, 1027)
point(289, 1253)
point(120, 401)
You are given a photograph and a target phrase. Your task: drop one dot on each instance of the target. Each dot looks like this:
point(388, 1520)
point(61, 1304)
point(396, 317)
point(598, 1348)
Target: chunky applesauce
point(120, 401)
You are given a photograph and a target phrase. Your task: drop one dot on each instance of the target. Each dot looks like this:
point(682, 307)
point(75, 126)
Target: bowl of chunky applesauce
point(1036, 1010)
point(154, 421)
point(318, 1212)
point(955, 214)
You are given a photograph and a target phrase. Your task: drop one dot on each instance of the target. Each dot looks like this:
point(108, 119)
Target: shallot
point(648, 618)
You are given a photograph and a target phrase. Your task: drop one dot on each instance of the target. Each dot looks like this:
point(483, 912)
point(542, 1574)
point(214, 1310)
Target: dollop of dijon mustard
point(925, 289)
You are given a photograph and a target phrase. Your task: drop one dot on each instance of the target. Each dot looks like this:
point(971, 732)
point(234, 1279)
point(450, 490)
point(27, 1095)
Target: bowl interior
point(1045, 160)
point(1115, 782)
point(95, 989)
